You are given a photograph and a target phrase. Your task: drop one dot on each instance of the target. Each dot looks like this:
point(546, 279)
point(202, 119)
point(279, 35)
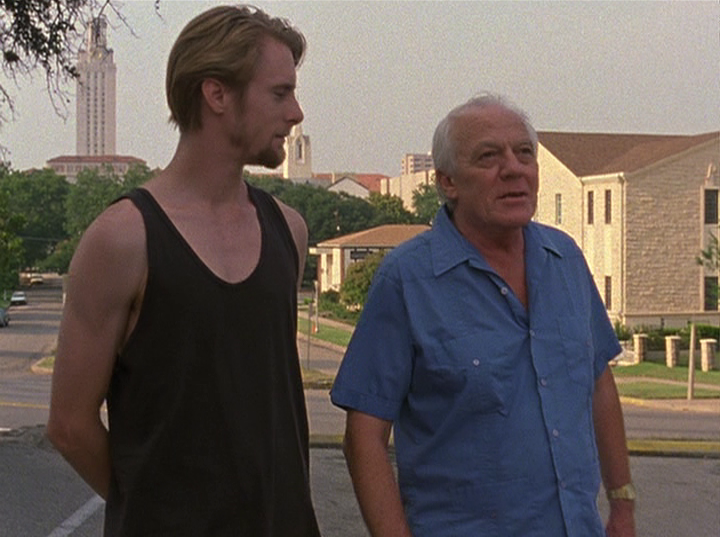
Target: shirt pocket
point(577, 348)
point(469, 373)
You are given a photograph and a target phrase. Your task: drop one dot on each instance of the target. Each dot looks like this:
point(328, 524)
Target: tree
point(389, 210)
point(45, 35)
point(426, 203)
point(10, 245)
point(355, 287)
point(38, 196)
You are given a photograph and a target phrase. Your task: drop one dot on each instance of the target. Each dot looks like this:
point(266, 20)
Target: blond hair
point(223, 43)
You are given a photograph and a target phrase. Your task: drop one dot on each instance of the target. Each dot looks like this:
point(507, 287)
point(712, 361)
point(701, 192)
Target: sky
point(379, 75)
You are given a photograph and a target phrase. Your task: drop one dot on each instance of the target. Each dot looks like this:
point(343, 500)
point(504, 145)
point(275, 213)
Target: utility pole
point(691, 363)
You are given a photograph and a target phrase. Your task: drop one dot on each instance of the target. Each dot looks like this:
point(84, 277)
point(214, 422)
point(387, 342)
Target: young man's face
point(269, 108)
point(495, 183)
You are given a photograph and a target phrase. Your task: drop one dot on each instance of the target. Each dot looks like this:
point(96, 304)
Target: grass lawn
point(331, 334)
point(653, 390)
point(661, 371)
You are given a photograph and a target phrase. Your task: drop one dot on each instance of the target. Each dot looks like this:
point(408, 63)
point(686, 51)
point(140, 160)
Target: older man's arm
point(613, 453)
point(366, 452)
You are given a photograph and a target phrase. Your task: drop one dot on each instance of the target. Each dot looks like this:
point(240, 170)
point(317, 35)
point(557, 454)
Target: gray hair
point(444, 152)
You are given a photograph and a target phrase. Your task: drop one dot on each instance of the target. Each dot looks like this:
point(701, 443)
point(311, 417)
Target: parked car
point(18, 298)
point(36, 279)
point(4, 317)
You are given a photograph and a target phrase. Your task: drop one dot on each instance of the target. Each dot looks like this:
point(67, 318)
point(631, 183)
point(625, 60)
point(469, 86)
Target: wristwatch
point(626, 492)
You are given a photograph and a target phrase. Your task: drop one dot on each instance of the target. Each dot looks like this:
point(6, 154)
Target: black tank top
point(208, 427)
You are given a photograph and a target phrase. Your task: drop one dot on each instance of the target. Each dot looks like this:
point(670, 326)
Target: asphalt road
point(41, 496)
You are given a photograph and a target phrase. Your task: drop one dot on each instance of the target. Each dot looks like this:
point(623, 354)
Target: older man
point(485, 344)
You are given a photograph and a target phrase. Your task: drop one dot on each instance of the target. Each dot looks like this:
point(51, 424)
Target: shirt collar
point(449, 248)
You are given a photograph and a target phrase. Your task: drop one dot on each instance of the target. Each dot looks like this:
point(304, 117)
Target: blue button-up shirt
point(491, 403)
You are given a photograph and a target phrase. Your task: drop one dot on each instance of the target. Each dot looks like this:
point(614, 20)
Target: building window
point(608, 206)
point(558, 208)
point(711, 206)
point(608, 292)
point(591, 207)
point(711, 293)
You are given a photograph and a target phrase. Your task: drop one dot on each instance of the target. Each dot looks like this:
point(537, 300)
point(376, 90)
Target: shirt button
point(543, 382)
point(504, 290)
point(563, 485)
point(532, 333)
point(555, 433)
point(476, 362)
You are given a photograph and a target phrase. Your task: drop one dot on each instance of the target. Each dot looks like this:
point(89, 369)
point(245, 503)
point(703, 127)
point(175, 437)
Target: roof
point(597, 153)
point(371, 181)
point(98, 159)
point(387, 236)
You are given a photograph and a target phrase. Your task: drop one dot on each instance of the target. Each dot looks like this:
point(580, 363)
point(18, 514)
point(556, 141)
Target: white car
point(18, 298)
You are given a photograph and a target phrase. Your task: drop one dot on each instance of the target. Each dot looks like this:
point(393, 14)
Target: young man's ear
point(215, 95)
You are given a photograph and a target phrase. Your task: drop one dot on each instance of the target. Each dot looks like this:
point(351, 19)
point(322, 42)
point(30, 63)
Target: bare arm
point(612, 450)
point(104, 281)
point(299, 231)
point(365, 446)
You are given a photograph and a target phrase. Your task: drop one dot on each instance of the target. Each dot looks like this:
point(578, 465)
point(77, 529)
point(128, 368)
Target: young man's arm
point(299, 231)
point(613, 454)
point(365, 446)
point(103, 288)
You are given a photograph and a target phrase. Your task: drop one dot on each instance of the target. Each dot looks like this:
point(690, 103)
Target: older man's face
point(495, 183)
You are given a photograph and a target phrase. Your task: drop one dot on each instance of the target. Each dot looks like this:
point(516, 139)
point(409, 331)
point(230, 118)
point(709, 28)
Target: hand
point(621, 522)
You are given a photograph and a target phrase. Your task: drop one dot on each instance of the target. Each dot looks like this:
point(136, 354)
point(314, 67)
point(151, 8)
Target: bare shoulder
point(117, 231)
point(111, 253)
point(296, 223)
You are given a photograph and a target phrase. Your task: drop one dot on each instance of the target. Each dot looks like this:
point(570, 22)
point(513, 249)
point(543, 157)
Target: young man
point(181, 310)
point(485, 344)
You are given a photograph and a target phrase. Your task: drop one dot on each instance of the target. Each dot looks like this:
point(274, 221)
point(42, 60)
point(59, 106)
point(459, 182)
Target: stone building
point(641, 207)
point(96, 122)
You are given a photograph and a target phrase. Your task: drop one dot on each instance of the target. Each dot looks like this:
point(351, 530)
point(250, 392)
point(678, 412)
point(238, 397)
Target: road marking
point(78, 518)
point(24, 405)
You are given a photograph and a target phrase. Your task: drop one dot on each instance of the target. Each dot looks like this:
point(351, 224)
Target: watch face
point(626, 492)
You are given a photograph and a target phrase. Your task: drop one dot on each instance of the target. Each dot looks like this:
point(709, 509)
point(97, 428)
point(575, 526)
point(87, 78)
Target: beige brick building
point(642, 208)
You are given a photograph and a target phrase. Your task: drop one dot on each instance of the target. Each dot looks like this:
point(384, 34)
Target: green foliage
point(38, 197)
point(354, 289)
point(330, 306)
point(426, 203)
point(622, 332)
point(10, 245)
point(389, 210)
point(656, 335)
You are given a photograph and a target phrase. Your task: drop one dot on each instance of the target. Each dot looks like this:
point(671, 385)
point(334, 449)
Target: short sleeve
point(374, 376)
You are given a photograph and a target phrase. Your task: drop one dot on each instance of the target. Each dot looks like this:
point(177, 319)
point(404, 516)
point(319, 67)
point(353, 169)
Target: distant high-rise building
point(96, 93)
point(416, 162)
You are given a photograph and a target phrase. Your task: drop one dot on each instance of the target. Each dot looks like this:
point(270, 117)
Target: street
point(41, 496)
